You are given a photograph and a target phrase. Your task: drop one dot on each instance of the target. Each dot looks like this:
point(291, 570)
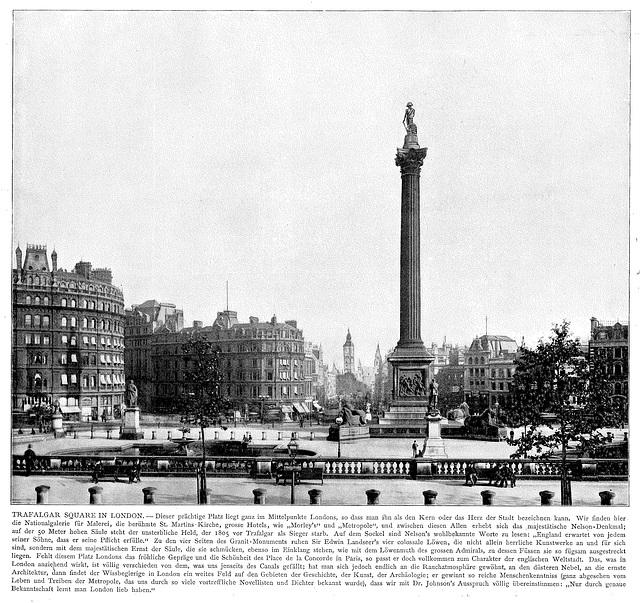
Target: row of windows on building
point(611, 352)
point(115, 359)
point(91, 381)
point(268, 375)
point(260, 334)
point(65, 402)
point(495, 373)
point(92, 359)
point(495, 385)
point(72, 340)
point(43, 281)
point(241, 347)
point(255, 362)
point(254, 391)
point(239, 363)
point(36, 320)
point(86, 304)
point(475, 360)
point(615, 335)
point(88, 381)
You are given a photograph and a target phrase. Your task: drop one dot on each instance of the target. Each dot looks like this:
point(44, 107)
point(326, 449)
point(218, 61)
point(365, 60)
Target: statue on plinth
point(131, 416)
point(433, 396)
point(131, 395)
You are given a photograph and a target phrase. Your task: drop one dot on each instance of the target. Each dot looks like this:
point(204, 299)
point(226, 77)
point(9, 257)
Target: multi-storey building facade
point(142, 321)
point(261, 363)
point(610, 342)
point(68, 338)
point(488, 371)
point(314, 372)
point(383, 383)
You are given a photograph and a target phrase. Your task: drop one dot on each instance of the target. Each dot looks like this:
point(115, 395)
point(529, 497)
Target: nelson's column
point(414, 399)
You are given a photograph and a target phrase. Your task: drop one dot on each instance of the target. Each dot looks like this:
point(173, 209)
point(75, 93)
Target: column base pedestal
point(434, 444)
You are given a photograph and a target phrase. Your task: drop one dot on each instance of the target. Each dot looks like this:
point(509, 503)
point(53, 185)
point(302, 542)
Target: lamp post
point(293, 450)
point(263, 398)
point(338, 423)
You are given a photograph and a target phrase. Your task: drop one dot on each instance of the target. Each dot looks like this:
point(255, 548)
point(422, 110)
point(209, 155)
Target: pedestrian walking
point(414, 448)
point(29, 459)
point(134, 472)
point(97, 470)
point(471, 475)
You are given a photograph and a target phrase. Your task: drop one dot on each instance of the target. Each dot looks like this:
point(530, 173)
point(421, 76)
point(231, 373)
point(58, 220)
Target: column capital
point(410, 160)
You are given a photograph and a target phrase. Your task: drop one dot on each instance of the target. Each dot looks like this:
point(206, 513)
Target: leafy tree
point(203, 400)
point(560, 398)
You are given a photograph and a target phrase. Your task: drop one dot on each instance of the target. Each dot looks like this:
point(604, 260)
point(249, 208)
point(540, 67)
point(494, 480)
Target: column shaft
point(410, 302)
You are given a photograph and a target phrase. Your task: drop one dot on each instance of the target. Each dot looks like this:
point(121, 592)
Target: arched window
point(481, 359)
point(45, 300)
point(63, 302)
point(617, 371)
point(93, 323)
point(73, 321)
point(84, 303)
point(37, 300)
point(27, 300)
point(102, 306)
point(37, 280)
point(27, 320)
point(73, 303)
point(63, 321)
point(85, 323)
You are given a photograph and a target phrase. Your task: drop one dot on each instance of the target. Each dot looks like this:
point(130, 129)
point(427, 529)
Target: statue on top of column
point(408, 117)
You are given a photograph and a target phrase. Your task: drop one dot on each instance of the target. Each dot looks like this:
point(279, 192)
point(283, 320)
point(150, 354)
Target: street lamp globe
point(293, 446)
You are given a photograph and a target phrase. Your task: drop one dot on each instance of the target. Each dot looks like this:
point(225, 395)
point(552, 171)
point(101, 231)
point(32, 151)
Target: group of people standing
point(501, 476)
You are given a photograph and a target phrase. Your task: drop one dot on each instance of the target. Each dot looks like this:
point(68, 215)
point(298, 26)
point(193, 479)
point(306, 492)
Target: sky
point(187, 149)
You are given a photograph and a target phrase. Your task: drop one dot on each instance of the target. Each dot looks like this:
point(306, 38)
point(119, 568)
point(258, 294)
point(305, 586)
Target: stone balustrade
point(333, 467)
